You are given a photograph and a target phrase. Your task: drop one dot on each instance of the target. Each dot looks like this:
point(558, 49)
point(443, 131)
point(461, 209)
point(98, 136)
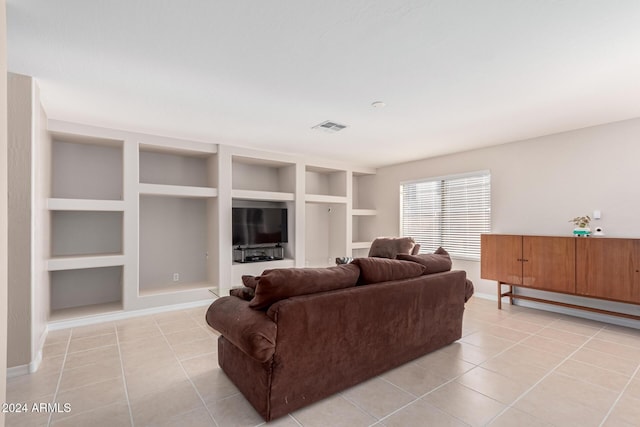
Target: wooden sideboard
point(595, 267)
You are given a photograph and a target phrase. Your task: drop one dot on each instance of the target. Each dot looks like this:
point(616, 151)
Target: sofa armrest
point(248, 329)
point(468, 290)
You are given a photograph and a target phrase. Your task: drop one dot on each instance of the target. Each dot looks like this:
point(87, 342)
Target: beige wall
point(20, 97)
point(3, 204)
point(539, 184)
point(41, 226)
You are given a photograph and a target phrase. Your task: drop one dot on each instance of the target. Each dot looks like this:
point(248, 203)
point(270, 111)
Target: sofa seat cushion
point(437, 262)
point(376, 270)
point(249, 330)
point(275, 285)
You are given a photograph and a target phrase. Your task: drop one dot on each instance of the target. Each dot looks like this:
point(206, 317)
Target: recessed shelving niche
point(262, 179)
point(363, 213)
point(86, 168)
point(173, 172)
point(177, 247)
point(82, 292)
point(324, 185)
point(78, 233)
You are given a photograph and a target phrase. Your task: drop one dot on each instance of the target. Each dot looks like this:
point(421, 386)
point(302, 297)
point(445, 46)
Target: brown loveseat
point(309, 333)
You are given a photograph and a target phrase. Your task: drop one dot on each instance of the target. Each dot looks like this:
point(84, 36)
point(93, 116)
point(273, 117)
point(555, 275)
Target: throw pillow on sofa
point(250, 281)
point(436, 262)
point(389, 247)
point(376, 270)
point(243, 292)
point(275, 285)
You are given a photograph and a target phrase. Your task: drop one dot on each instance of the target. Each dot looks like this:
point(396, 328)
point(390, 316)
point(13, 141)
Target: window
point(449, 211)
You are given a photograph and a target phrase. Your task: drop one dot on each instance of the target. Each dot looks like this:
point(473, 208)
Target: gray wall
point(539, 184)
point(173, 239)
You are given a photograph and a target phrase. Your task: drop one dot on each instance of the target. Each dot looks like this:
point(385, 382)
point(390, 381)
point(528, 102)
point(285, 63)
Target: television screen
point(255, 226)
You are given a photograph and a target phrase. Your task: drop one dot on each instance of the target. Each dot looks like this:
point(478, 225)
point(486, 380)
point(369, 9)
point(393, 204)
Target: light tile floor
point(515, 367)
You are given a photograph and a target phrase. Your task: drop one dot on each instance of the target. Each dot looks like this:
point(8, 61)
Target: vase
point(582, 232)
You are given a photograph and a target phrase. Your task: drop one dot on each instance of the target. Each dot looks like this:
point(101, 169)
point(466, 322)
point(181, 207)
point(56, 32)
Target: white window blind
point(450, 212)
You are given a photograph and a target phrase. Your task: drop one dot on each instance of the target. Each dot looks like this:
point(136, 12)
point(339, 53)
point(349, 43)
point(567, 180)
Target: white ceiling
point(455, 75)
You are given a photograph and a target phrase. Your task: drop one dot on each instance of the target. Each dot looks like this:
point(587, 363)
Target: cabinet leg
point(499, 296)
point(510, 294)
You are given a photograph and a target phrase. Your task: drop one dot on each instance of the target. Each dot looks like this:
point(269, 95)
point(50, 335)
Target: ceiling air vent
point(329, 126)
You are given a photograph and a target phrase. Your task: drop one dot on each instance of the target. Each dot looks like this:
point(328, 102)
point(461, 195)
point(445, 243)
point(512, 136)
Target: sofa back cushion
point(389, 247)
point(436, 262)
point(282, 283)
point(376, 270)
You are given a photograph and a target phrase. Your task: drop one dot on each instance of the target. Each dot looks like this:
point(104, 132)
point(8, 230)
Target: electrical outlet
point(176, 277)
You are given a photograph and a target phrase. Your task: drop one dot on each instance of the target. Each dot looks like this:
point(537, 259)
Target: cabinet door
point(501, 258)
point(608, 268)
point(549, 263)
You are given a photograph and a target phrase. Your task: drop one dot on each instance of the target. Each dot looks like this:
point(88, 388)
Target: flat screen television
point(258, 226)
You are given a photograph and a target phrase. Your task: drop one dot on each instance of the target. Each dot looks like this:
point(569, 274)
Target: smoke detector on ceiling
point(329, 126)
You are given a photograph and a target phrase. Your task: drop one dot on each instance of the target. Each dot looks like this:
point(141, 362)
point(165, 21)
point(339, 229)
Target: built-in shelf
point(176, 246)
point(176, 190)
point(364, 212)
point(239, 269)
point(86, 233)
point(179, 147)
point(325, 181)
point(86, 168)
point(271, 196)
point(166, 166)
point(360, 245)
point(85, 291)
point(80, 262)
point(84, 311)
point(321, 198)
point(174, 288)
point(262, 175)
point(84, 205)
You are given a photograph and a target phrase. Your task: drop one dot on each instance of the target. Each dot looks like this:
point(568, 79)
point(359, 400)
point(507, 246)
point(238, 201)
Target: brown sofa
point(310, 333)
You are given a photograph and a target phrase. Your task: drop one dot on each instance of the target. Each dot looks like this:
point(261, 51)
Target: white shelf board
point(360, 245)
point(262, 195)
point(278, 263)
point(86, 261)
point(322, 198)
point(175, 288)
point(171, 146)
point(54, 204)
point(364, 212)
point(177, 190)
point(84, 311)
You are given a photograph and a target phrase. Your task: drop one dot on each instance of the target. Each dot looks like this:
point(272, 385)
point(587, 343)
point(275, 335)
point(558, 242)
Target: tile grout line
point(613, 405)
point(64, 361)
point(185, 371)
point(476, 365)
point(492, 357)
point(545, 376)
point(124, 377)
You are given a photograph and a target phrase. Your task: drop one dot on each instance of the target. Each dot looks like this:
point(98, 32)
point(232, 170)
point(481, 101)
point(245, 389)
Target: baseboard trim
point(110, 317)
point(489, 297)
point(35, 363)
point(614, 320)
point(16, 371)
point(620, 321)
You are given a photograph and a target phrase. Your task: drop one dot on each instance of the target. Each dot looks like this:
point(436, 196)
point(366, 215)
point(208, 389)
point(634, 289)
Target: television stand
point(258, 253)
